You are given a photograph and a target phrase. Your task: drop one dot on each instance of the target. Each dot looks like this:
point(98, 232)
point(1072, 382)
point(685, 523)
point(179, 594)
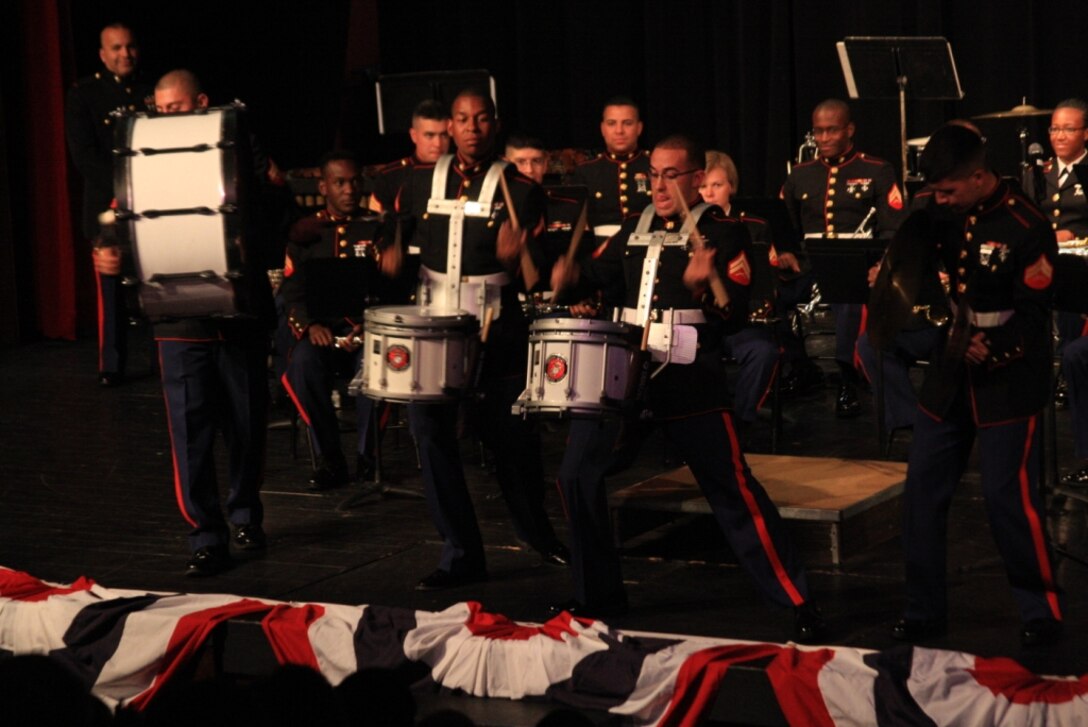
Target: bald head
point(832, 127)
point(118, 50)
point(179, 91)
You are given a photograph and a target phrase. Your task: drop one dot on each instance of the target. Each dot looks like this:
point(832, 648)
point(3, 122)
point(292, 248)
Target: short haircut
point(431, 110)
point(952, 152)
point(520, 140)
point(1078, 104)
point(834, 105)
point(337, 155)
point(180, 77)
point(721, 160)
point(620, 100)
point(474, 92)
point(695, 151)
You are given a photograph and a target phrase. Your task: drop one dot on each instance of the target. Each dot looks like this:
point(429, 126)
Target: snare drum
point(416, 354)
point(577, 367)
point(176, 183)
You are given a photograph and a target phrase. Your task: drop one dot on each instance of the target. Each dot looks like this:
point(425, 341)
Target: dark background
point(741, 76)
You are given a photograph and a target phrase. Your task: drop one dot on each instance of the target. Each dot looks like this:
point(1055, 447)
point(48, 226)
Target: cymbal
point(1016, 112)
point(892, 298)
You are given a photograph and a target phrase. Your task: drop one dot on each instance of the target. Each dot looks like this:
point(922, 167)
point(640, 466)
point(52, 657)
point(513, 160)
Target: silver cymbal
point(1016, 112)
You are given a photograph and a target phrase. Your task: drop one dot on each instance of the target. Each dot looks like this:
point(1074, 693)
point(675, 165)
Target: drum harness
point(673, 329)
point(448, 286)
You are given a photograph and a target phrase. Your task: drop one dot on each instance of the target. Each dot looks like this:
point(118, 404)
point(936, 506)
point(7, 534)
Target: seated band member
point(496, 262)
point(617, 177)
point(991, 382)
point(342, 231)
point(214, 377)
point(843, 191)
point(688, 397)
point(753, 346)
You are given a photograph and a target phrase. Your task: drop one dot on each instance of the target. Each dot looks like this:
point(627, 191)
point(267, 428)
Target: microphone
point(1036, 154)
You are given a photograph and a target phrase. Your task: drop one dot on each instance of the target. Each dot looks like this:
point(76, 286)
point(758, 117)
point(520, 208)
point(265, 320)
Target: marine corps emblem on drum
point(556, 368)
point(398, 358)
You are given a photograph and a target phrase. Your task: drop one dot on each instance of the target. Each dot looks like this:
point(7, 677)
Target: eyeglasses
point(670, 174)
point(1064, 130)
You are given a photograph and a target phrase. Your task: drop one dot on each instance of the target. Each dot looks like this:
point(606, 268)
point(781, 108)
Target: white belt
point(477, 292)
point(991, 319)
point(680, 316)
point(606, 230)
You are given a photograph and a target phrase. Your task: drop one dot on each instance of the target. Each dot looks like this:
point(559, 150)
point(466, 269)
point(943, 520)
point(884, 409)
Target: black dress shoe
point(329, 475)
point(847, 405)
point(364, 469)
point(1076, 479)
point(604, 609)
point(440, 579)
point(250, 537)
point(208, 561)
point(801, 378)
point(1041, 632)
point(918, 629)
point(107, 379)
point(808, 624)
point(555, 554)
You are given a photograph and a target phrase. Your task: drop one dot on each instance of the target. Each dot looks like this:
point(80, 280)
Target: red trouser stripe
point(294, 397)
point(1035, 524)
point(173, 449)
point(757, 516)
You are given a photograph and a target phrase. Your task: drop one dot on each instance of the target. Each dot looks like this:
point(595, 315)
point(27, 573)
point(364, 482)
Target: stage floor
point(86, 489)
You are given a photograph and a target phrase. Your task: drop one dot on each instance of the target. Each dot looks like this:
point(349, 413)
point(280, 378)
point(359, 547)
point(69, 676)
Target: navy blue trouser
point(212, 386)
point(757, 354)
point(1009, 463)
point(708, 443)
point(112, 324)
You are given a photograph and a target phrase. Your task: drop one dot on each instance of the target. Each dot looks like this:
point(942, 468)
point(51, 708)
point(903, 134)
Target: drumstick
point(575, 240)
point(489, 313)
point(528, 270)
point(721, 297)
point(485, 329)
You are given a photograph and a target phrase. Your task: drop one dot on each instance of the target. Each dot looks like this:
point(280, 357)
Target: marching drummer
point(214, 377)
point(340, 232)
point(684, 272)
point(477, 220)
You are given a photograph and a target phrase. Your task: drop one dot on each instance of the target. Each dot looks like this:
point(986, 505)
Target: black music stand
point(921, 69)
point(399, 93)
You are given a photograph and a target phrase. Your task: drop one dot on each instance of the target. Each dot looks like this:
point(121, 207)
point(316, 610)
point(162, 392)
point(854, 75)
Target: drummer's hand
point(699, 266)
point(353, 340)
point(107, 260)
point(564, 273)
point(1064, 235)
point(319, 335)
point(789, 260)
point(978, 350)
point(873, 272)
point(392, 259)
point(585, 309)
point(510, 243)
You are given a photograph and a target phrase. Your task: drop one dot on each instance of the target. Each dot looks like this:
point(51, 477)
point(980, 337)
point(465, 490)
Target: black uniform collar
point(841, 159)
point(995, 200)
point(119, 80)
point(630, 156)
point(479, 167)
point(327, 214)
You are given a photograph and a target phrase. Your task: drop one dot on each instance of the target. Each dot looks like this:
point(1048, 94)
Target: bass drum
point(176, 180)
point(578, 367)
point(415, 354)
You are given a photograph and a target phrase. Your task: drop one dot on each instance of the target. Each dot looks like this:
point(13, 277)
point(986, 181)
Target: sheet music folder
point(841, 266)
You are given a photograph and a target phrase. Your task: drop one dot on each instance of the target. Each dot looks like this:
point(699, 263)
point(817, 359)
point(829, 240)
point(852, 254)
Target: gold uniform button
point(106, 122)
point(597, 195)
point(464, 198)
point(830, 203)
point(623, 198)
point(343, 243)
point(963, 253)
point(623, 187)
point(623, 175)
point(1056, 197)
point(1054, 225)
point(624, 210)
point(426, 215)
point(491, 223)
point(830, 193)
point(830, 215)
point(804, 195)
point(831, 180)
point(656, 298)
point(961, 271)
point(972, 220)
point(657, 281)
point(967, 236)
point(623, 165)
point(468, 183)
point(1057, 213)
point(831, 228)
point(834, 170)
point(670, 225)
point(1012, 203)
point(341, 230)
point(343, 254)
point(961, 288)
point(131, 107)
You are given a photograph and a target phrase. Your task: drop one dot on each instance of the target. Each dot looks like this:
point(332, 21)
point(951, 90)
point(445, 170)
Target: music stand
point(399, 93)
point(841, 266)
point(922, 69)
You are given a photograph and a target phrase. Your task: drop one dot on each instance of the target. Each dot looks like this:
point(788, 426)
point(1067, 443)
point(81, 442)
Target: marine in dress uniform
point(514, 442)
point(690, 400)
point(323, 346)
point(617, 178)
point(88, 126)
point(833, 195)
point(214, 378)
point(991, 382)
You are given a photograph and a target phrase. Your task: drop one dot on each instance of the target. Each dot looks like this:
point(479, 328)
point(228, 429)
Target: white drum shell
point(413, 354)
point(577, 367)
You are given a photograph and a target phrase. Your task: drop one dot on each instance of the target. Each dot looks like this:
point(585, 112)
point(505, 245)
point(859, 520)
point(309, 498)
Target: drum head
point(419, 317)
point(579, 325)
